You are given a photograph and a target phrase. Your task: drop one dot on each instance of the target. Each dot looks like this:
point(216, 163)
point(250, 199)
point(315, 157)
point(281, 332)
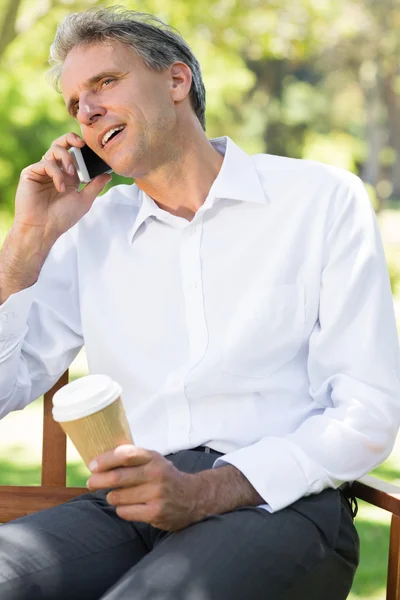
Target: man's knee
point(22, 550)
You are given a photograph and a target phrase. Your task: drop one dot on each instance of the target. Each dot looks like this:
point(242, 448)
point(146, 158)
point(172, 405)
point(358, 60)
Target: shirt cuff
point(14, 313)
point(279, 471)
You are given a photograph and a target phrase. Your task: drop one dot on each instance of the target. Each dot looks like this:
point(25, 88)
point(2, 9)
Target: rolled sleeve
point(14, 315)
point(40, 330)
point(278, 470)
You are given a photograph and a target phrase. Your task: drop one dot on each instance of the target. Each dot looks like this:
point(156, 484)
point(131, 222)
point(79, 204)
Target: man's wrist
point(28, 243)
point(21, 260)
point(222, 490)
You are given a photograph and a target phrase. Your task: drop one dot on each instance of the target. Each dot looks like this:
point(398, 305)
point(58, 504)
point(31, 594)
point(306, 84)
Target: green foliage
point(393, 263)
point(5, 224)
point(283, 77)
point(13, 472)
point(372, 195)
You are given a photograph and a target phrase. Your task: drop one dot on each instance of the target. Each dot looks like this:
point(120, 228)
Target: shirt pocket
point(265, 331)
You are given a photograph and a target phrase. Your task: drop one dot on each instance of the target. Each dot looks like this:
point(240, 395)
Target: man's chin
point(125, 167)
point(125, 173)
point(130, 172)
point(122, 170)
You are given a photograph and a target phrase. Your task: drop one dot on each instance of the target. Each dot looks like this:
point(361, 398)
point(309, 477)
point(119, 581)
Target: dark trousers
point(83, 550)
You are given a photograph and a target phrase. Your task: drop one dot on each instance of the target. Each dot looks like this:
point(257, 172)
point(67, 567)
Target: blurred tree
point(310, 79)
point(367, 48)
point(8, 30)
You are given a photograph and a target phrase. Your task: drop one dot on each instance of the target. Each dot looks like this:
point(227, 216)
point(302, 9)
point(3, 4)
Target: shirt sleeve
point(353, 368)
point(40, 330)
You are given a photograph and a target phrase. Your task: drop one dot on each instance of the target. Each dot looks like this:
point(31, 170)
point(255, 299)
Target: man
point(243, 304)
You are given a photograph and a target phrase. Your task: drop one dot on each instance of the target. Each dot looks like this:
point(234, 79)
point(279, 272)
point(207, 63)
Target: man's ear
point(181, 81)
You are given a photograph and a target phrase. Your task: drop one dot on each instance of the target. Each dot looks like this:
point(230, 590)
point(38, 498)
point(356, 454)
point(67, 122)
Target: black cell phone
point(88, 164)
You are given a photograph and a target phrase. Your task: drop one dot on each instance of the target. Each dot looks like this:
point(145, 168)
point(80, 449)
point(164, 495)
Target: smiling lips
point(110, 134)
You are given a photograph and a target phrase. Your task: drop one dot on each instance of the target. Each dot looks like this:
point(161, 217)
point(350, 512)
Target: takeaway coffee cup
point(91, 413)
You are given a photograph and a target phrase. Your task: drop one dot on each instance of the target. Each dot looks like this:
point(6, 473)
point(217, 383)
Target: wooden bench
point(17, 501)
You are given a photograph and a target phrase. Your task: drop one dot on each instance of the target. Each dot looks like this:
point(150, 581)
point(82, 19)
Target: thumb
point(94, 187)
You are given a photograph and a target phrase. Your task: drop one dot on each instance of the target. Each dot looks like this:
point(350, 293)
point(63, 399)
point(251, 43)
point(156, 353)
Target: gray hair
point(158, 44)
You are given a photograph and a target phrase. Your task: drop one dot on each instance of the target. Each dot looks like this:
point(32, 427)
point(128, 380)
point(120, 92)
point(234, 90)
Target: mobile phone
point(88, 164)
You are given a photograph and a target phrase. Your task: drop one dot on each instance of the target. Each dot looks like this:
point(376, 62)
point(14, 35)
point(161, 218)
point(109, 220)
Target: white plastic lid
point(84, 397)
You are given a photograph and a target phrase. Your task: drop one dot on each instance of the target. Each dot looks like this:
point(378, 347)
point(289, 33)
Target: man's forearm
point(222, 490)
point(21, 260)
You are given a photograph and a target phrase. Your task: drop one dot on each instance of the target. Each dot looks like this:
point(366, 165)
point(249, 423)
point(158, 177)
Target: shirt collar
point(148, 208)
point(237, 180)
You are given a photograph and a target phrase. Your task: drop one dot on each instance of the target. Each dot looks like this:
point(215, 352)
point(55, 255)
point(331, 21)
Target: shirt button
point(192, 231)
point(194, 286)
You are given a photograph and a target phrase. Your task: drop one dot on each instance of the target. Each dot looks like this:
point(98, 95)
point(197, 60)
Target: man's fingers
point(58, 151)
point(93, 189)
point(62, 157)
point(68, 140)
point(118, 478)
point(147, 513)
point(74, 139)
point(52, 169)
point(140, 494)
point(126, 455)
point(57, 164)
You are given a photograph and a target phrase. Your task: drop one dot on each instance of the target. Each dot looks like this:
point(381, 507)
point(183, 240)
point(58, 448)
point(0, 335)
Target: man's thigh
point(308, 552)
point(76, 550)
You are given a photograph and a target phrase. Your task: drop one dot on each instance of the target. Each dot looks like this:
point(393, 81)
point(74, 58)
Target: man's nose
point(89, 111)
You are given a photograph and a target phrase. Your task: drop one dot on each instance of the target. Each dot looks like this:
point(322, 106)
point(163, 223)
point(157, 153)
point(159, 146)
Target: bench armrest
point(377, 492)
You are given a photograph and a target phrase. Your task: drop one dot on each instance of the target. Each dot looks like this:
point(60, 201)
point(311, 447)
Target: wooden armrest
point(18, 501)
point(377, 492)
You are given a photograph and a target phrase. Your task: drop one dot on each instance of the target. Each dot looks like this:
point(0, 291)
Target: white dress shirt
point(263, 328)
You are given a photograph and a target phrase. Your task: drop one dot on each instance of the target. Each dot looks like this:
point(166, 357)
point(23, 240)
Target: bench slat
point(17, 501)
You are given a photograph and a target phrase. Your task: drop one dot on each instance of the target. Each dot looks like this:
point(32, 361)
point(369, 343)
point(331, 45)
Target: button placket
point(179, 423)
point(177, 402)
point(177, 408)
point(193, 292)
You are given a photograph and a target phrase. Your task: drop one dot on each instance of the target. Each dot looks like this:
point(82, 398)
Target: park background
point(315, 79)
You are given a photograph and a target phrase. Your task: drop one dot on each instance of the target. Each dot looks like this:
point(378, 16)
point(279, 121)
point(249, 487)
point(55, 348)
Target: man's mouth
point(111, 134)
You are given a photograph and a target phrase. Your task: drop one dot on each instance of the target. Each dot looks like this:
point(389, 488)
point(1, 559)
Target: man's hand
point(48, 201)
point(148, 488)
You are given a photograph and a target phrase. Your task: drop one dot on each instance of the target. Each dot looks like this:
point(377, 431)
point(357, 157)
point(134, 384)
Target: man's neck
point(182, 186)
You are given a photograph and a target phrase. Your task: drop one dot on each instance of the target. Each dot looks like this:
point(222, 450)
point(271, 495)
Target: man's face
point(107, 86)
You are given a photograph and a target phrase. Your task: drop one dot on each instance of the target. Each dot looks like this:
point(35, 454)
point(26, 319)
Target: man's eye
point(107, 81)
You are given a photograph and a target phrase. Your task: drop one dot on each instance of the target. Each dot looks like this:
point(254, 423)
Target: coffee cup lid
point(84, 396)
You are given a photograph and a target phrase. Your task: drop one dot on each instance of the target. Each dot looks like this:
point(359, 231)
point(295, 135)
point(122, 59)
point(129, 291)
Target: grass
point(373, 526)
point(21, 443)
point(369, 583)
point(17, 472)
